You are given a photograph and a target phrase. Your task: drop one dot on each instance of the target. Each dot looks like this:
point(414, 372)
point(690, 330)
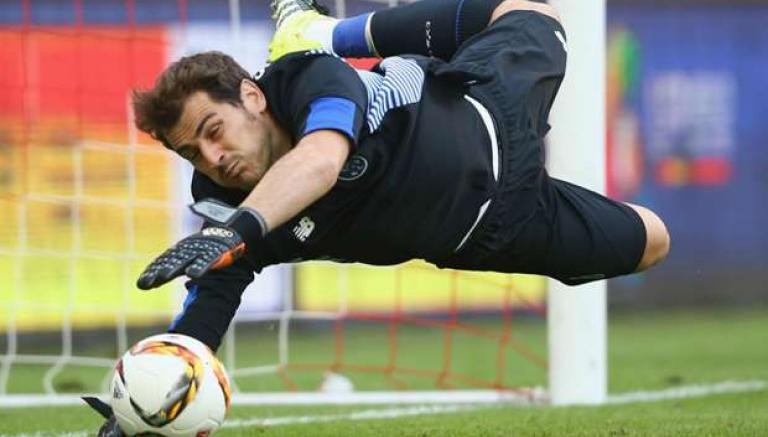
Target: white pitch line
point(50, 434)
point(688, 391)
point(683, 392)
point(373, 414)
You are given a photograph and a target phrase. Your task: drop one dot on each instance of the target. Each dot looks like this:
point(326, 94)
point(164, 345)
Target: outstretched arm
point(299, 178)
point(296, 181)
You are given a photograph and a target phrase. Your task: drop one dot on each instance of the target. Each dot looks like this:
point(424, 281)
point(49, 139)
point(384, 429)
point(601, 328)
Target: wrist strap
point(246, 221)
point(249, 224)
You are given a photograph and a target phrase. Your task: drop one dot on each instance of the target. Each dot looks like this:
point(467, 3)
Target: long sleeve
point(212, 300)
point(211, 303)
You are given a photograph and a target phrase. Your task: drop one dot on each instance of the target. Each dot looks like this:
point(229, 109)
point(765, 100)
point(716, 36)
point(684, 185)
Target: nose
point(212, 153)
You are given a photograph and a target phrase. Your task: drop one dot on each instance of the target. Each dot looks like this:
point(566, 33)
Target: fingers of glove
point(201, 265)
point(149, 275)
point(166, 267)
point(214, 260)
point(229, 257)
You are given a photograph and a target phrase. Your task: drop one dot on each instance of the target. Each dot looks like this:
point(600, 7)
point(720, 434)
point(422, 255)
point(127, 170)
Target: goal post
point(577, 316)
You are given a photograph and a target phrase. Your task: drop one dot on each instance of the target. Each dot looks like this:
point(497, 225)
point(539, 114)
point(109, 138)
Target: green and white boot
point(301, 25)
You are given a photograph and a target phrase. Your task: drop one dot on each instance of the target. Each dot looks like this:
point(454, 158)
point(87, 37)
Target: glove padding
point(210, 249)
point(213, 248)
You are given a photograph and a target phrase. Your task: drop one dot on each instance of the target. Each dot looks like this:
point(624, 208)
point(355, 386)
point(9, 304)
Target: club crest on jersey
point(354, 168)
point(218, 232)
point(304, 229)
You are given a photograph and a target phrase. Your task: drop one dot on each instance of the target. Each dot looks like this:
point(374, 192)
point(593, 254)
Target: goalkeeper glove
point(214, 247)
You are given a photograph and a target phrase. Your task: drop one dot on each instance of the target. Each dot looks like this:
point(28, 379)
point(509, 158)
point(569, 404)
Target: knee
point(524, 5)
point(657, 238)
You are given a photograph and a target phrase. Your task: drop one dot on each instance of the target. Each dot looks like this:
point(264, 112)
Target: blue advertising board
point(690, 102)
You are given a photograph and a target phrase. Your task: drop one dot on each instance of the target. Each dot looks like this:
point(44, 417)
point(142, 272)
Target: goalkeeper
point(436, 154)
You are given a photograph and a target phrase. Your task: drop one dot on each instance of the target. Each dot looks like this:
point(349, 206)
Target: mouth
point(234, 169)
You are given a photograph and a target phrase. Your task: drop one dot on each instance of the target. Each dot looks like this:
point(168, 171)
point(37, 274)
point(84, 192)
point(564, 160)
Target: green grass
point(727, 415)
point(646, 352)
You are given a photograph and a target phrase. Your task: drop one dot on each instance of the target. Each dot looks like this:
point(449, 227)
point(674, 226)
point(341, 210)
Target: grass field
point(646, 352)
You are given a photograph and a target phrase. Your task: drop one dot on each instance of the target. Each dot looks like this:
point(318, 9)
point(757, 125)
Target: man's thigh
point(531, 37)
point(578, 236)
point(524, 54)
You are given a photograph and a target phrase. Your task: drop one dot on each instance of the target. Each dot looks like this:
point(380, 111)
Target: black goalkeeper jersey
point(418, 177)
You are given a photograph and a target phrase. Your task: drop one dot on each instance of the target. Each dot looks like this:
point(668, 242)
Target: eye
point(190, 154)
point(215, 131)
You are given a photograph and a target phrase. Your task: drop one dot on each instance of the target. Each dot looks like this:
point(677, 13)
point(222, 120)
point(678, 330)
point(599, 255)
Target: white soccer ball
point(170, 385)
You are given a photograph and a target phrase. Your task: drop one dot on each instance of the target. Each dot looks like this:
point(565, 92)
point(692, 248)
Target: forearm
point(298, 179)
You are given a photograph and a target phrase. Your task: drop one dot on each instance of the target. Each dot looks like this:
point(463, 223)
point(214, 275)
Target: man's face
point(234, 145)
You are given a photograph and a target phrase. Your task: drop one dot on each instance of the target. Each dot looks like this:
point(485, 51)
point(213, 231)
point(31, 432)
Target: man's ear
point(252, 96)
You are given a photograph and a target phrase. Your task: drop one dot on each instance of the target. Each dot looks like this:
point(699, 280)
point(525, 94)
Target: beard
point(253, 157)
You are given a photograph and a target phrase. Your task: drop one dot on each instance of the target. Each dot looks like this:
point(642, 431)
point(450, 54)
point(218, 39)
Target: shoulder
point(297, 78)
point(297, 63)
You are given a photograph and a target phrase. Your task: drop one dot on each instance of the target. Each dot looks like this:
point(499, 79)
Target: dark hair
point(158, 109)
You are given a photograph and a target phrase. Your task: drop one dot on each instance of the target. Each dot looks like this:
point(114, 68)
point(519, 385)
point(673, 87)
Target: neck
point(281, 141)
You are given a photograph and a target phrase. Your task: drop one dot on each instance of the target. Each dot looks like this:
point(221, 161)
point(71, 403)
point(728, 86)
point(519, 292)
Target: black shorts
point(537, 224)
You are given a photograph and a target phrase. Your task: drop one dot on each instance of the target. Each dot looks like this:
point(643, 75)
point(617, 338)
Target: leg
point(438, 27)
point(579, 236)
point(597, 235)
point(657, 238)
point(524, 5)
point(428, 27)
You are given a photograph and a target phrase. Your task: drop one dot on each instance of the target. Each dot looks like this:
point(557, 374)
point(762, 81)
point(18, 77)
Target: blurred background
point(686, 98)
point(86, 200)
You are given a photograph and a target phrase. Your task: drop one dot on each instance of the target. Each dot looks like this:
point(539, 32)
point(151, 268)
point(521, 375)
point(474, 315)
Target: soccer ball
point(170, 385)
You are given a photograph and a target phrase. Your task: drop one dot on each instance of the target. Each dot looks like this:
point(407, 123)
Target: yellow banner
point(412, 287)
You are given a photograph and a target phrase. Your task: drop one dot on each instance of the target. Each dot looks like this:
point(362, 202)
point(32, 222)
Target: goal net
point(86, 202)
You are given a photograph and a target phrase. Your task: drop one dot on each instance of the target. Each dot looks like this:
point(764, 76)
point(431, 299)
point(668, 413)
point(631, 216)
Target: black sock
point(429, 27)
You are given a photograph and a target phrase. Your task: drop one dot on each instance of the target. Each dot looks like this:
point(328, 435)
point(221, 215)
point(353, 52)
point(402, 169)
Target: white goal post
point(577, 316)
